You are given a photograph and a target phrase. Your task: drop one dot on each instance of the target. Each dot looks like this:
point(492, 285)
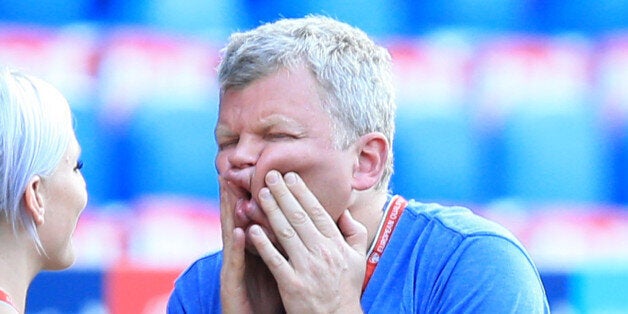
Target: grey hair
point(354, 73)
point(34, 134)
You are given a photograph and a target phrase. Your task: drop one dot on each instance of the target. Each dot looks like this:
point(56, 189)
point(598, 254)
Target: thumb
point(354, 232)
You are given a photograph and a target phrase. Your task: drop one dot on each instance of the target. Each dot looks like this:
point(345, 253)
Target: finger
point(235, 208)
point(233, 259)
point(283, 231)
point(354, 232)
point(318, 216)
point(294, 209)
point(230, 237)
point(226, 212)
point(274, 260)
point(233, 292)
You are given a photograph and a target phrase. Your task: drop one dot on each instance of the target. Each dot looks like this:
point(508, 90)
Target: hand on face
point(321, 264)
point(243, 275)
point(242, 205)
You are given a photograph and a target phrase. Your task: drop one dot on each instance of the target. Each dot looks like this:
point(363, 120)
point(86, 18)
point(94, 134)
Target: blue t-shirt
point(439, 260)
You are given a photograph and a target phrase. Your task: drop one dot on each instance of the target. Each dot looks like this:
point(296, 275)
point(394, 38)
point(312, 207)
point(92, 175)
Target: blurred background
point(517, 109)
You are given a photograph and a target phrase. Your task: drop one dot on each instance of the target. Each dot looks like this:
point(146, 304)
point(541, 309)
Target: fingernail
point(272, 177)
point(264, 193)
point(256, 230)
point(290, 178)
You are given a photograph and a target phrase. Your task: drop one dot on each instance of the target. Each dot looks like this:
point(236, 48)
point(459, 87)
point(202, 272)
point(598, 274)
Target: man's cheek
point(220, 163)
point(283, 162)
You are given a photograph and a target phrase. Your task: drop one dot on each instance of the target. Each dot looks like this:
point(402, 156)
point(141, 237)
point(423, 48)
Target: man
point(305, 128)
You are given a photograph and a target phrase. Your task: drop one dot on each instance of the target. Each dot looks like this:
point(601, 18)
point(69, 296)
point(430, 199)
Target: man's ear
point(33, 200)
point(372, 157)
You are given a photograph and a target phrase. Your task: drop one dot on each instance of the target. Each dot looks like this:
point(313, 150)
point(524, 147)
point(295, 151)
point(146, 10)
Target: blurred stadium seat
point(68, 291)
point(481, 15)
point(534, 93)
point(193, 17)
point(497, 99)
point(160, 93)
point(364, 14)
point(556, 158)
point(587, 17)
point(435, 152)
point(49, 12)
point(435, 158)
point(611, 97)
point(171, 151)
point(67, 58)
point(600, 287)
point(99, 155)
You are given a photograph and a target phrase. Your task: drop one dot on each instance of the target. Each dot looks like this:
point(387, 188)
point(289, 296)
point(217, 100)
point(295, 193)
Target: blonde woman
point(42, 189)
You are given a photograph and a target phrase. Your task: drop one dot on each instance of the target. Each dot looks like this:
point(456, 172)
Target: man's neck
point(368, 210)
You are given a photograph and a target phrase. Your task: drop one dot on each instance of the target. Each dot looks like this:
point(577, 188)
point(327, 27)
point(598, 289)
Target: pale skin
point(55, 204)
point(324, 263)
point(297, 213)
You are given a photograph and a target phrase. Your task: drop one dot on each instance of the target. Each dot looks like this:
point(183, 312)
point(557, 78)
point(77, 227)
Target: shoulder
point(201, 269)
point(474, 256)
point(459, 231)
point(456, 219)
point(198, 287)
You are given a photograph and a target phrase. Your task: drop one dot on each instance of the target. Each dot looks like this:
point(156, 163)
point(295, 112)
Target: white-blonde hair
point(34, 134)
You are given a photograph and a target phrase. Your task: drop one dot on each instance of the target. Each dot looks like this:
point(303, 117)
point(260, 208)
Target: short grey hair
point(353, 72)
point(34, 134)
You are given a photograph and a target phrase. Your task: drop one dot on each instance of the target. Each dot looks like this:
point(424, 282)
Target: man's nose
point(245, 154)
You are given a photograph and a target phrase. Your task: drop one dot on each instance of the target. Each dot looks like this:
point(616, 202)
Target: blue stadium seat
point(68, 291)
point(556, 157)
point(488, 15)
point(589, 17)
point(612, 101)
point(600, 287)
point(534, 93)
point(216, 18)
point(49, 12)
point(170, 151)
point(436, 158)
point(620, 166)
point(435, 150)
point(98, 142)
point(367, 15)
point(158, 91)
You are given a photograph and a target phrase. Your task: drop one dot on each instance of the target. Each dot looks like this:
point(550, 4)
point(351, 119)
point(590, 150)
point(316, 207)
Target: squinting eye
point(224, 145)
point(278, 135)
point(79, 165)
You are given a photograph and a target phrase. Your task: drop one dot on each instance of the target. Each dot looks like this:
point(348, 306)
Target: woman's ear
point(372, 157)
point(33, 200)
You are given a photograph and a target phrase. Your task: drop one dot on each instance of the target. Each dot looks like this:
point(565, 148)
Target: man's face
point(278, 122)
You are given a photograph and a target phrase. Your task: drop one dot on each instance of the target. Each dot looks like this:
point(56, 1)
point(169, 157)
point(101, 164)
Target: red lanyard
point(393, 212)
point(5, 298)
